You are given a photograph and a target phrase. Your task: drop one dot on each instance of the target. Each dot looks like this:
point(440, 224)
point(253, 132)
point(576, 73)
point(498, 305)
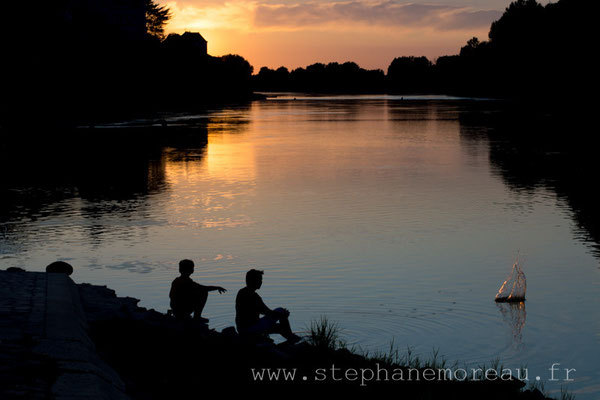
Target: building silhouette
point(189, 41)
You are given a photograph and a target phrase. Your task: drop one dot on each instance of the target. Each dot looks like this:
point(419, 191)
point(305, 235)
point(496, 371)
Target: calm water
point(395, 219)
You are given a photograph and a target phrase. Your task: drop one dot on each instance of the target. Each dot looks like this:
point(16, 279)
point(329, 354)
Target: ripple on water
point(442, 325)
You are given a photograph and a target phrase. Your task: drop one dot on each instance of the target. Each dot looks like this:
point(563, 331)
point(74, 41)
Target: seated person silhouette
point(249, 306)
point(187, 296)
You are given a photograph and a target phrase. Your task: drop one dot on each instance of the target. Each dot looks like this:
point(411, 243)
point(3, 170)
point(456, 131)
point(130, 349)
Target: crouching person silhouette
point(187, 296)
point(249, 307)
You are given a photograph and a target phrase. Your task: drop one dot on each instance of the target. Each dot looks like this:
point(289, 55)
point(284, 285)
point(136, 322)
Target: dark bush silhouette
point(268, 79)
point(331, 78)
point(236, 72)
point(410, 74)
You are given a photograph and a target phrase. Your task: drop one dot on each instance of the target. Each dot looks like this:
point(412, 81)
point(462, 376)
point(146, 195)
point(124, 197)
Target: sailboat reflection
point(514, 314)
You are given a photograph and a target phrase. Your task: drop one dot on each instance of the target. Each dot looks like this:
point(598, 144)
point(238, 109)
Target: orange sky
point(296, 33)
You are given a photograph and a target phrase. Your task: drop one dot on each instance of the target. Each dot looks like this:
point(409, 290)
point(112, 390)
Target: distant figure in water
point(249, 307)
point(187, 296)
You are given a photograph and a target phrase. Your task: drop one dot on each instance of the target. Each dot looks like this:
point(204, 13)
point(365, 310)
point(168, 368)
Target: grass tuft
point(325, 334)
point(565, 394)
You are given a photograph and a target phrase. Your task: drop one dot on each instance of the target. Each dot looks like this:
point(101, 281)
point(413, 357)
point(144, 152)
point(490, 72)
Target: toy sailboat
point(514, 287)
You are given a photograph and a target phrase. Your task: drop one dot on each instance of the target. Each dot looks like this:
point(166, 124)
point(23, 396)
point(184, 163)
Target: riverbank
point(45, 347)
point(66, 340)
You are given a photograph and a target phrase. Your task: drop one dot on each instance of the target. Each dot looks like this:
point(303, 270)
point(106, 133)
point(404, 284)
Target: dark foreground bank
point(65, 340)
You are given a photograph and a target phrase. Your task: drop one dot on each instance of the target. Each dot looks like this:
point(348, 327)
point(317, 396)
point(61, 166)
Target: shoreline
point(82, 340)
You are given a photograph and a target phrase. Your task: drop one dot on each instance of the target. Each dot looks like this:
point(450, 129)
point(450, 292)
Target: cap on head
point(186, 267)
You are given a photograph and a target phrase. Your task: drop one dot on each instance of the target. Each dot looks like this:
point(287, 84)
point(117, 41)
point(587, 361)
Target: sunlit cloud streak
point(388, 13)
point(261, 15)
point(296, 33)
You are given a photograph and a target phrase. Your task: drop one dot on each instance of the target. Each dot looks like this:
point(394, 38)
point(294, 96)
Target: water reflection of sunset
point(395, 218)
point(207, 191)
point(229, 158)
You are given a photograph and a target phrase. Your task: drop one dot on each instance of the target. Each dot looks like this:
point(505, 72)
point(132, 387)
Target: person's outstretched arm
point(213, 288)
point(219, 288)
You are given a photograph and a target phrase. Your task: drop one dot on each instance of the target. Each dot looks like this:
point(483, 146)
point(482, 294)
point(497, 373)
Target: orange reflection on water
point(212, 190)
point(230, 159)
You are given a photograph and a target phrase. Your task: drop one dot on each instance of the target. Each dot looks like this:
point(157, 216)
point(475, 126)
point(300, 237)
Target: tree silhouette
point(156, 18)
point(237, 65)
point(471, 47)
point(409, 74)
point(521, 26)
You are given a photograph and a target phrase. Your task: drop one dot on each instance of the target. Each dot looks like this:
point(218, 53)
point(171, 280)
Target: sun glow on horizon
point(295, 34)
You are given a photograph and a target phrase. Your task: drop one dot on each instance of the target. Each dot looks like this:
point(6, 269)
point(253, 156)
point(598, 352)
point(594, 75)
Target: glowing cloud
point(387, 13)
point(193, 16)
point(296, 33)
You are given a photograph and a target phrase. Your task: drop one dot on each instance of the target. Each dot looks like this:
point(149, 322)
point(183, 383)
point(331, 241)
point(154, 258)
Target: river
point(397, 218)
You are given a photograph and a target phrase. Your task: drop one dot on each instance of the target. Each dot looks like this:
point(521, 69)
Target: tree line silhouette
point(532, 51)
point(81, 61)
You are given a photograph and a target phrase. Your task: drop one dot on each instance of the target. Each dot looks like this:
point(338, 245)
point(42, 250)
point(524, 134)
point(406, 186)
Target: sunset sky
point(296, 33)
